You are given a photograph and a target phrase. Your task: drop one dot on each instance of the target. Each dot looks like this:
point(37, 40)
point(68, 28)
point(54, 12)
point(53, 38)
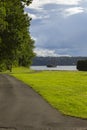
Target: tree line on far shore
point(16, 44)
point(79, 62)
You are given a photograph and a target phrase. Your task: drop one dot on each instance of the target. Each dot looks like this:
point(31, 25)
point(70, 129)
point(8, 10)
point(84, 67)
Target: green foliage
point(2, 67)
point(27, 2)
point(82, 65)
point(25, 54)
point(64, 90)
point(14, 32)
point(3, 23)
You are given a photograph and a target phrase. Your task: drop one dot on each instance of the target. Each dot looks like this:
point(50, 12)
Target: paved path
point(23, 109)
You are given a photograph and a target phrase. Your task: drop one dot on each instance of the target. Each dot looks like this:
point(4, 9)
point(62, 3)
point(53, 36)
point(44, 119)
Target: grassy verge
point(64, 90)
point(18, 70)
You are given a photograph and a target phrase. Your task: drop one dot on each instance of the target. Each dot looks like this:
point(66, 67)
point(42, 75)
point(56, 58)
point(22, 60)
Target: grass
point(18, 70)
point(64, 90)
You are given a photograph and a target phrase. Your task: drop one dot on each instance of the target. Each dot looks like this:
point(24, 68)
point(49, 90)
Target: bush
point(82, 65)
point(2, 67)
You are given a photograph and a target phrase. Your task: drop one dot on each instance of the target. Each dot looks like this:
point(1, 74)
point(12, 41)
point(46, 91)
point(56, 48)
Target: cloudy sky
point(59, 27)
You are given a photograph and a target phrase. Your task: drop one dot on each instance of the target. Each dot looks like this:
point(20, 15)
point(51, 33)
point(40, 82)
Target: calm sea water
point(54, 68)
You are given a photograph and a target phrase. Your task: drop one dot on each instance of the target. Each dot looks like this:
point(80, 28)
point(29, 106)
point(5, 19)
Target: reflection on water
point(54, 68)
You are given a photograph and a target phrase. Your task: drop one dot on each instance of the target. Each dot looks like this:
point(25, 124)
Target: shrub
point(82, 65)
point(2, 67)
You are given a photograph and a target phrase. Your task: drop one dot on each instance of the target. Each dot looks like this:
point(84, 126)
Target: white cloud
point(44, 52)
point(47, 52)
point(73, 11)
point(34, 16)
point(34, 38)
point(37, 4)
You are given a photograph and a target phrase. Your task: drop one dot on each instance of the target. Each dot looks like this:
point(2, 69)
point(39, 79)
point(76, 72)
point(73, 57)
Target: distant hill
point(41, 61)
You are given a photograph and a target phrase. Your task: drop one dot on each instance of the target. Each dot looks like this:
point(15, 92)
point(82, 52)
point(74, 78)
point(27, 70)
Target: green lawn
point(18, 70)
point(64, 90)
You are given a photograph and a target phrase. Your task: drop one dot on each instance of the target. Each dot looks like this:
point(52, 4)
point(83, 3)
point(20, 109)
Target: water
point(54, 68)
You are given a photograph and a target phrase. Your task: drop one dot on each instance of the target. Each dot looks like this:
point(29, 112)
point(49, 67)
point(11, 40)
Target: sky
point(59, 27)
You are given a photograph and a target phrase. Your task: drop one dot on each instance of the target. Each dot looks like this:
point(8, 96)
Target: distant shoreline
point(65, 68)
point(60, 61)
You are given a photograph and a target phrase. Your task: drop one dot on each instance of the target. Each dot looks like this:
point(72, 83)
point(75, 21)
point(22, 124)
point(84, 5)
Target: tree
point(82, 65)
point(2, 16)
point(25, 53)
point(14, 34)
point(27, 2)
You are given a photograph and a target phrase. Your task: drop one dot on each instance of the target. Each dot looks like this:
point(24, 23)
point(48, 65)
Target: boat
point(52, 62)
point(51, 65)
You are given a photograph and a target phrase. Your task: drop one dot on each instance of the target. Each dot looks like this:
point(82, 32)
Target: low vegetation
point(18, 70)
point(64, 90)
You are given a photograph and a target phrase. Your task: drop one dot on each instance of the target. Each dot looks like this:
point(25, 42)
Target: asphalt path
point(21, 108)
